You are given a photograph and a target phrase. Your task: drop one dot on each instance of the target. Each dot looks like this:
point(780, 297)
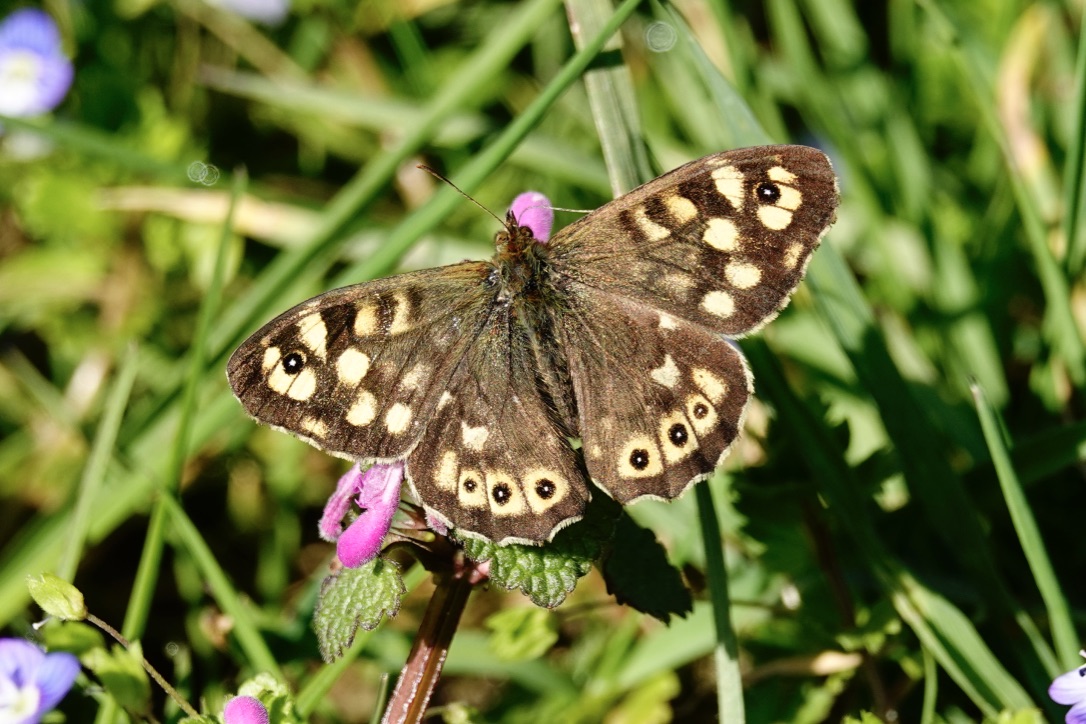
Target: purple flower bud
point(31, 681)
point(533, 210)
point(35, 74)
point(245, 710)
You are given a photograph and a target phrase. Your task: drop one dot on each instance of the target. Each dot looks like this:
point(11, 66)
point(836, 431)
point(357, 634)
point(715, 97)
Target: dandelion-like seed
point(35, 74)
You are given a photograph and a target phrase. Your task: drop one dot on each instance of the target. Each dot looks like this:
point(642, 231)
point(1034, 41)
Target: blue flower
point(34, 72)
point(1070, 688)
point(31, 681)
point(245, 710)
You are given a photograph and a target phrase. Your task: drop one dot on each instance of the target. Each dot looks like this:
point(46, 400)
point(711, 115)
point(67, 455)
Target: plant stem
point(185, 706)
point(421, 672)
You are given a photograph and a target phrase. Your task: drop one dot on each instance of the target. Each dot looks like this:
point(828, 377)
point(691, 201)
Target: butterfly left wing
point(495, 460)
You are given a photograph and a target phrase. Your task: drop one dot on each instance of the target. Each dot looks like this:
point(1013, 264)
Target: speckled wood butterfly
point(479, 374)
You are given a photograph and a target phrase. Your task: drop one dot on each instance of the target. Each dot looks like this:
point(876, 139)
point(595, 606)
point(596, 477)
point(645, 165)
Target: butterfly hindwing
point(495, 460)
point(660, 399)
point(722, 241)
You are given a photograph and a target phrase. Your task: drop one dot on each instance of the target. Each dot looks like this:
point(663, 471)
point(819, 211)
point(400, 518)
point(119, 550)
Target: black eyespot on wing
point(678, 435)
point(701, 410)
point(545, 489)
point(293, 363)
point(768, 193)
point(470, 485)
point(639, 459)
point(501, 493)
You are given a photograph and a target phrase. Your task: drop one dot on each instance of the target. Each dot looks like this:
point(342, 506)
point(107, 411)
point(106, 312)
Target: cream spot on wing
point(504, 495)
point(595, 451)
point(710, 384)
point(681, 208)
point(781, 175)
point(648, 227)
point(472, 493)
point(314, 426)
point(401, 317)
point(314, 335)
point(774, 217)
point(792, 255)
point(544, 489)
point(473, 437)
point(666, 374)
point(722, 234)
point(676, 284)
point(701, 413)
point(742, 275)
point(718, 303)
point(415, 376)
point(667, 321)
point(445, 399)
point(272, 355)
point(676, 439)
point(729, 182)
point(640, 458)
point(366, 319)
point(790, 198)
point(363, 410)
point(398, 418)
point(446, 478)
point(352, 366)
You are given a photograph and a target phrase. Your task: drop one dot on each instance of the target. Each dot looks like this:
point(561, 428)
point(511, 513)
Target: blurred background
point(903, 519)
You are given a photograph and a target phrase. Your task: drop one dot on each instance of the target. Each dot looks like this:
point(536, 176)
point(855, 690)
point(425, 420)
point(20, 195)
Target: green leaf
point(639, 575)
point(520, 634)
point(548, 573)
point(356, 598)
point(121, 673)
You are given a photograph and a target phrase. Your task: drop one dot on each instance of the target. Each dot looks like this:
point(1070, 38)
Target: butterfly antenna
point(467, 196)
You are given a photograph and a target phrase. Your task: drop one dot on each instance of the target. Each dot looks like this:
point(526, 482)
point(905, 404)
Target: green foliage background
point(903, 519)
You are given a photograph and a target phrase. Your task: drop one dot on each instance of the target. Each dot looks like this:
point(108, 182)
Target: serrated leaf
point(356, 598)
point(638, 573)
point(548, 573)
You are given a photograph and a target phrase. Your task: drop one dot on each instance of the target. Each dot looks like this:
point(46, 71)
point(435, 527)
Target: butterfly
point(480, 375)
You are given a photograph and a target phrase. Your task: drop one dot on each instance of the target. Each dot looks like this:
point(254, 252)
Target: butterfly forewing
point(722, 241)
point(358, 371)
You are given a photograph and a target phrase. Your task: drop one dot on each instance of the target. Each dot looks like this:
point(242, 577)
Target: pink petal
point(331, 522)
point(533, 210)
point(378, 498)
point(245, 710)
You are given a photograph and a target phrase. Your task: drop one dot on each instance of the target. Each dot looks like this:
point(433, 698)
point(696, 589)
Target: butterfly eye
point(678, 435)
point(639, 459)
point(768, 193)
point(293, 363)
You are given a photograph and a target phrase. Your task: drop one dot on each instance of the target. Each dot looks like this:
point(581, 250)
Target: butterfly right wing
point(358, 371)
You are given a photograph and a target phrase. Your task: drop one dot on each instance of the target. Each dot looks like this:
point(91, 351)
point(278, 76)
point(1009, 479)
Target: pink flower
point(533, 210)
point(377, 493)
point(245, 710)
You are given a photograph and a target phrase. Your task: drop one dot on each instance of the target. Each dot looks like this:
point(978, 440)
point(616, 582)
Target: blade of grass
point(1029, 537)
point(1074, 170)
point(151, 556)
point(97, 464)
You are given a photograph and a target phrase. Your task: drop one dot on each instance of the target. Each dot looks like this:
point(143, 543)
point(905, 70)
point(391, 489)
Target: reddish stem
point(421, 672)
